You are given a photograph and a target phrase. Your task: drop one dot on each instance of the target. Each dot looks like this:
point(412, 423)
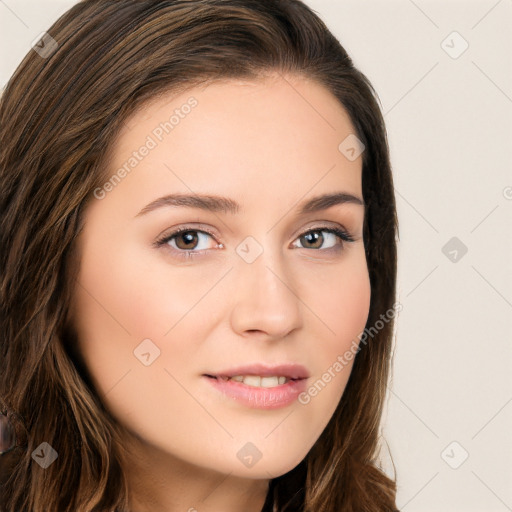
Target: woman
point(198, 236)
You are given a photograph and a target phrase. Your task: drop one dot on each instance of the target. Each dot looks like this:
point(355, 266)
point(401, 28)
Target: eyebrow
point(222, 204)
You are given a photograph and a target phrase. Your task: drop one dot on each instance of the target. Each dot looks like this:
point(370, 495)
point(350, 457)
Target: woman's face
point(256, 280)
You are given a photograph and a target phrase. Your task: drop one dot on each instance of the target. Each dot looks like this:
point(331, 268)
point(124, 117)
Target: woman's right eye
point(185, 241)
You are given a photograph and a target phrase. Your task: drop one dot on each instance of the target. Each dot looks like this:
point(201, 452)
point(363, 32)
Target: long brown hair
point(59, 115)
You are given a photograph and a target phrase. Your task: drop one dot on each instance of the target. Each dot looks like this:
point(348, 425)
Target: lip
point(256, 397)
point(259, 397)
point(291, 371)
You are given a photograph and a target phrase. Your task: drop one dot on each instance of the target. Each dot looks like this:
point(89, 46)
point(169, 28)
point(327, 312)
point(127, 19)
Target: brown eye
point(313, 239)
point(186, 240)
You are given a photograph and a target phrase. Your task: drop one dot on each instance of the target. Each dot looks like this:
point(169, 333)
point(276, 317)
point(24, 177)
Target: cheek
point(342, 301)
point(125, 296)
point(342, 304)
point(160, 294)
point(126, 288)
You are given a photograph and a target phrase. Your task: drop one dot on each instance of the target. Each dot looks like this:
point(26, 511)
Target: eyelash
point(340, 233)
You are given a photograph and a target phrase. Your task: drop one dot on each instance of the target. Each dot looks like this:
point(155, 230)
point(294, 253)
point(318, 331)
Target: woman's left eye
point(312, 237)
point(185, 241)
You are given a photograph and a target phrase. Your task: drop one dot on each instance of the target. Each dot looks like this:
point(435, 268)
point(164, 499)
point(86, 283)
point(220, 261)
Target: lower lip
point(260, 398)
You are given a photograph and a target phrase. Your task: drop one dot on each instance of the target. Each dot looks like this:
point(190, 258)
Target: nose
point(265, 303)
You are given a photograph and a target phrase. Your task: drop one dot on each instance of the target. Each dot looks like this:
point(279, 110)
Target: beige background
point(449, 119)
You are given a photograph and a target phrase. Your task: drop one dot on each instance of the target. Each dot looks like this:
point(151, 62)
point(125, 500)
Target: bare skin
point(269, 145)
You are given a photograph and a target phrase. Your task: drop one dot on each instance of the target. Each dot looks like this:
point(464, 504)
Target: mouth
point(257, 381)
point(262, 375)
point(272, 390)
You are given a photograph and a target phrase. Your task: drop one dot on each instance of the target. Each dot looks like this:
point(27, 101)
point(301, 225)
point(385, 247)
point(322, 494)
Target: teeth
point(260, 382)
point(253, 380)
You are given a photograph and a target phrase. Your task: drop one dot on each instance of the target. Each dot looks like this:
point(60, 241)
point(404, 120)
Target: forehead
point(281, 133)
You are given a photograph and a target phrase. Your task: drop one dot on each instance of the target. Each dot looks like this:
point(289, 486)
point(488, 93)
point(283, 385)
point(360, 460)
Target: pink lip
point(291, 371)
point(256, 397)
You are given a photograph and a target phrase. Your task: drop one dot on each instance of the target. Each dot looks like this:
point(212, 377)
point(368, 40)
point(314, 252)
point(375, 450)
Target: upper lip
point(290, 371)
